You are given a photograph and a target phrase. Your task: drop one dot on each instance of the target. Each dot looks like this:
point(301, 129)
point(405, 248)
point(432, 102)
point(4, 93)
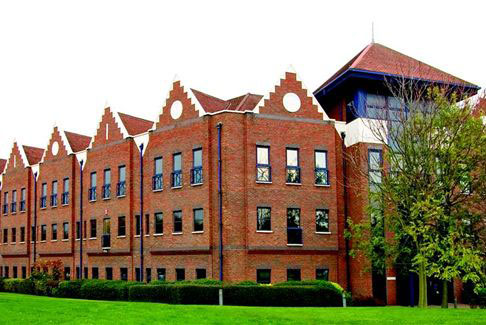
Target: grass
point(24, 309)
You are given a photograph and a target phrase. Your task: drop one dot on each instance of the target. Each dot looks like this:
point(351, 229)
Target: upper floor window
point(43, 232)
point(264, 219)
point(43, 199)
point(106, 183)
point(54, 231)
point(293, 168)
point(5, 235)
point(14, 235)
point(375, 163)
point(22, 199)
point(263, 168)
point(294, 230)
point(322, 220)
point(138, 225)
point(157, 183)
point(198, 220)
point(177, 170)
point(92, 224)
point(177, 221)
point(14, 201)
point(121, 226)
point(159, 223)
point(121, 188)
point(22, 234)
point(54, 194)
point(78, 229)
point(92, 186)
point(321, 171)
point(196, 171)
point(65, 191)
point(65, 230)
point(5, 202)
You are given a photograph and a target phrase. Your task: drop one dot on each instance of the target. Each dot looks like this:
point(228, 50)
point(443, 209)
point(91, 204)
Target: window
point(264, 276)
point(85, 272)
point(264, 171)
point(148, 275)
point(65, 192)
point(161, 274)
point(124, 274)
point(322, 274)
point(147, 224)
point(5, 235)
point(33, 234)
point(375, 163)
point(121, 188)
point(106, 183)
point(22, 234)
point(322, 220)
point(178, 221)
point(24, 272)
point(294, 231)
point(137, 274)
point(196, 171)
point(106, 238)
point(92, 186)
point(159, 223)
point(320, 171)
point(92, 224)
point(109, 273)
point(78, 229)
point(200, 273)
point(22, 199)
point(5, 203)
point(180, 274)
point(293, 275)
point(65, 230)
point(94, 273)
point(177, 170)
point(198, 220)
point(293, 169)
point(157, 183)
point(43, 232)
point(15, 272)
point(54, 194)
point(6, 271)
point(137, 225)
point(122, 226)
point(54, 231)
point(14, 201)
point(43, 198)
point(14, 235)
point(264, 219)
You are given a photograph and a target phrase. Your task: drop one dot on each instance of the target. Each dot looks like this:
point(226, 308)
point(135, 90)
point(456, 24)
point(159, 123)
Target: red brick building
point(250, 188)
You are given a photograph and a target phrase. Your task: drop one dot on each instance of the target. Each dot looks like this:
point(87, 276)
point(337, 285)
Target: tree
point(430, 187)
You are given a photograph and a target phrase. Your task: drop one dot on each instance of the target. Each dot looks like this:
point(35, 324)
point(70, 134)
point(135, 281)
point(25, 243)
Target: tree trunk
point(422, 303)
point(445, 295)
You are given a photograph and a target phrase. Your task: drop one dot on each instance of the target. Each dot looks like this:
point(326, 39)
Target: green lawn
point(24, 309)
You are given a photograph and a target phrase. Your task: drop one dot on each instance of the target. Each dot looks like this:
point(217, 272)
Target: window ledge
point(92, 238)
point(65, 239)
point(23, 211)
point(263, 182)
point(92, 201)
point(157, 235)
point(158, 190)
point(121, 196)
point(106, 198)
point(21, 242)
point(177, 233)
point(323, 232)
point(53, 240)
point(298, 184)
point(77, 239)
point(198, 232)
point(124, 236)
point(14, 213)
point(265, 231)
point(176, 187)
point(43, 208)
point(322, 185)
point(65, 205)
point(42, 241)
point(197, 184)
point(146, 235)
point(295, 245)
point(137, 236)
point(13, 243)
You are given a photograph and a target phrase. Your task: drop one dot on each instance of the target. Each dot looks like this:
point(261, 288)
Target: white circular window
point(176, 109)
point(291, 102)
point(55, 148)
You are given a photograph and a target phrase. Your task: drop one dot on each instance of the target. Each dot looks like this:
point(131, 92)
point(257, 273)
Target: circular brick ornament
point(291, 102)
point(176, 109)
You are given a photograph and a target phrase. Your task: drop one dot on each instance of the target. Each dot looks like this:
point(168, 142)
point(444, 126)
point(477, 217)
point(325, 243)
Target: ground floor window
point(161, 274)
point(15, 275)
point(109, 273)
point(200, 273)
point(123, 274)
point(148, 276)
point(6, 272)
point(85, 272)
point(24, 272)
point(322, 274)
point(94, 273)
point(137, 274)
point(293, 275)
point(67, 273)
point(78, 272)
point(264, 276)
point(180, 274)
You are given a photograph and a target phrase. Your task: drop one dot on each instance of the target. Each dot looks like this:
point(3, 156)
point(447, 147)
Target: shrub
point(19, 286)
point(152, 293)
point(247, 283)
point(1, 284)
point(68, 289)
point(105, 289)
point(176, 294)
point(320, 283)
point(478, 299)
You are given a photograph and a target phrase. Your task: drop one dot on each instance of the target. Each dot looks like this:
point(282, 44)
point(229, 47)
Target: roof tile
point(34, 155)
point(78, 142)
point(135, 125)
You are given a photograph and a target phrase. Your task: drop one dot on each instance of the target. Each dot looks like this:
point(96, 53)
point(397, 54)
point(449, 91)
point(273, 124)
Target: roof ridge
point(361, 55)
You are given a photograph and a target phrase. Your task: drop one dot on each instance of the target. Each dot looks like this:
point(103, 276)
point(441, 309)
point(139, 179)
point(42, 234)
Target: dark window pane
point(161, 274)
point(264, 219)
point(293, 275)
point(200, 273)
point(177, 221)
point(159, 223)
point(264, 276)
point(322, 220)
point(322, 274)
point(198, 220)
point(180, 274)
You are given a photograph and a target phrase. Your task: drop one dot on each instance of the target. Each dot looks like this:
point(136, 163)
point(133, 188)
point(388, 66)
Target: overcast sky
point(60, 61)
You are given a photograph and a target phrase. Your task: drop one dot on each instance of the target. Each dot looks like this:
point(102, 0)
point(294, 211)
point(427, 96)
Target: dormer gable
point(108, 130)
point(292, 99)
point(180, 105)
point(58, 147)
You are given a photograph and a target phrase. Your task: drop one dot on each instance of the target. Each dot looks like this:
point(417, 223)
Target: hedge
point(18, 286)
point(290, 296)
point(69, 289)
point(105, 289)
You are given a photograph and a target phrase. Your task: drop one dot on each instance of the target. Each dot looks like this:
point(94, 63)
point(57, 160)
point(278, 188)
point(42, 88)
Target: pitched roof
point(33, 154)
point(78, 142)
point(135, 125)
point(213, 104)
point(379, 58)
point(3, 163)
